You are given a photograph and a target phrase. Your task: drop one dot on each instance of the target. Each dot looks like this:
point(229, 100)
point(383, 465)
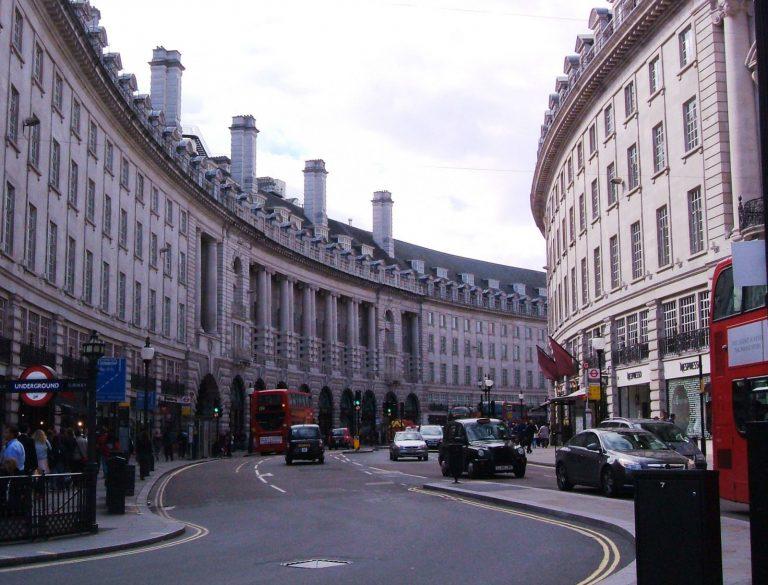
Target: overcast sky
point(436, 102)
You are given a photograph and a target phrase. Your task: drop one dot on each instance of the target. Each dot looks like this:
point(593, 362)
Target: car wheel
point(563, 484)
point(608, 483)
point(321, 460)
point(472, 470)
point(444, 468)
point(394, 457)
point(426, 457)
point(519, 470)
point(288, 461)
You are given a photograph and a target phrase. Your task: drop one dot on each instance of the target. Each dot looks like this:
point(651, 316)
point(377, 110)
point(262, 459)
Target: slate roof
point(405, 252)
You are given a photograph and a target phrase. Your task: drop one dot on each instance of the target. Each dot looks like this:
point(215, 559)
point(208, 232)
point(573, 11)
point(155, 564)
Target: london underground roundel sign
point(37, 373)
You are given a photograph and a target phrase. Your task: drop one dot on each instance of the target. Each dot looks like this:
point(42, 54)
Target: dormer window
point(418, 266)
point(493, 283)
point(442, 272)
point(345, 242)
point(519, 288)
point(321, 232)
point(468, 278)
point(366, 250)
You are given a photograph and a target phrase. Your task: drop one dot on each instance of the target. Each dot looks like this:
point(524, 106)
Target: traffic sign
point(38, 396)
point(110, 381)
point(43, 386)
point(151, 402)
point(593, 374)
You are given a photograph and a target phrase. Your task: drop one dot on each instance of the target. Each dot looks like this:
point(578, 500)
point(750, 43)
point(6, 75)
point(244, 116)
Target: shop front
point(633, 395)
point(683, 392)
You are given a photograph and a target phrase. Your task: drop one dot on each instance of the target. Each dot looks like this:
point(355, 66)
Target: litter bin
point(116, 484)
point(677, 527)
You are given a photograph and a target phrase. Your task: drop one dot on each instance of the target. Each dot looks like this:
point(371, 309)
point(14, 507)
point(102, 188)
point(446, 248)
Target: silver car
point(408, 444)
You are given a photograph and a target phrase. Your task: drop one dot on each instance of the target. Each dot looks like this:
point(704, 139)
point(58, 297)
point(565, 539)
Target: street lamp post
point(485, 385)
point(521, 396)
point(92, 350)
point(147, 355)
point(598, 345)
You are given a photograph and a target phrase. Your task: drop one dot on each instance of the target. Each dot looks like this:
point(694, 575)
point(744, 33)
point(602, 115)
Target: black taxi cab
point(304, 442)
point(488, 447)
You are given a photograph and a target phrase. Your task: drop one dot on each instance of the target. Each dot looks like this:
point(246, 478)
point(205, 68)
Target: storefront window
point(684, 403)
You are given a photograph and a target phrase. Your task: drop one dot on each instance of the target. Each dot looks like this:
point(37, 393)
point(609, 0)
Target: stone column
point(742, 117)
point(372, 339)
point(611, 391)
point(656, 366)
point(265, 310)
point(332, 328)
point(308, 313)
point(286, 316)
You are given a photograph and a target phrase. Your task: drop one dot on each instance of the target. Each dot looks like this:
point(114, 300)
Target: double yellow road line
point(611, 556)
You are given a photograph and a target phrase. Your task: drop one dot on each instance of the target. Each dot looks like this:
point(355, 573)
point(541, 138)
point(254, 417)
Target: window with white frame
point(58, 92)
point(691, 124)
point(183, 221)
point(454, 346)
point(51, 264)
point(592, 139)
point(17, 33)
point(636, 238)
point(105, 280)
point(595, 192)
point(629, 99)
point(181, 322)
point(663, 247)
point(654, 75)
point(167, 316)
point(90, 201)
point(621, 332)
point(88, 278)
point(632, 331)
point(695, 220)
point(69, 275)
point(154, 200)
point(584, 282)
point(704, 309)
point(615, 261)
point(153, 251)
point(633, 168)
point(608, 120)
point(55, 171)
point(125, 171)
point(574, 301)
point(669, 317)
point(121, 284)
point(582, 213)
point(107, 219)
point(137, 304)
point(643, 316)
point(138, 242)
point(109, 156)
point(580, 155)
point(685, 43)
point(688, 314)
point(613, 188)
point(34, 145)
point(659, 148)
point(93, 134)
point(122, 229)
point(30, 249)
point(182, 268)
point(75, 122)
point(152, 310)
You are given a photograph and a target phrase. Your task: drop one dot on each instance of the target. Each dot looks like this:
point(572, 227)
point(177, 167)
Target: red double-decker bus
point(272, 414)
point(739, 373)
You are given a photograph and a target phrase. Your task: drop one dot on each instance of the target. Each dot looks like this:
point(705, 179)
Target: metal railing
point(630, 354)
point(44, 506)
point(173, 388)
point(31, 354)
point(751, 213)
point(684, 342)
point(73, 367)
point(138, 382)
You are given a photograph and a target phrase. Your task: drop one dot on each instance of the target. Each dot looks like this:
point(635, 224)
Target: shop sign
point(746, 344)
point(594, 392)
point(633, 376)
point(685, 367)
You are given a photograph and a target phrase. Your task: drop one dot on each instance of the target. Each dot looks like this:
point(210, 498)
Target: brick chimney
point(243, 133)
point(165, 84)
point(382, 221)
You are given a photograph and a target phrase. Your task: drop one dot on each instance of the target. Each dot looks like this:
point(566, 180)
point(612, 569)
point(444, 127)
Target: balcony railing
point(5, 349)
point(684, 342)
point(74, 367)
point(630, 354)
point(173, 388)
point(32, 355)
point(751, 214)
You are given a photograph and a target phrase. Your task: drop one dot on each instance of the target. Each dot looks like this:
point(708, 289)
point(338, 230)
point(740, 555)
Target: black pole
point(757, 451)
point(701, 410)
point(146, 395)
point(92, 467)
point(761, 47)
point(603, 399)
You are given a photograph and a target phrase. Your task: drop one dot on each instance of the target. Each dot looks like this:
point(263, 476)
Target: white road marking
point(281, 490)
point(261, 479)
point(356, 463)
point(368, 472)
point(380, 483)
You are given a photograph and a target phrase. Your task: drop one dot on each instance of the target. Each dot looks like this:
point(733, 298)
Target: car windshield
point(338, 432)
point(485, 431)
point(632, 442)
point(432, 431)
point(305, 433)
point(668, 432)
point(410, 436)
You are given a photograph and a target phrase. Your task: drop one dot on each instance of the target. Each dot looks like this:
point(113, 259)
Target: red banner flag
point(547, 365)
point(566, 365)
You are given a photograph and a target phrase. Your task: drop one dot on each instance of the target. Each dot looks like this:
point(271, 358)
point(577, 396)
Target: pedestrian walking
point(30, 453)
point(544, 435)
point(168, 445)
point(13, 454)
point(532, 435)
point(157, 443)
point(81, 451)
point(182, 445)
point(42, 451)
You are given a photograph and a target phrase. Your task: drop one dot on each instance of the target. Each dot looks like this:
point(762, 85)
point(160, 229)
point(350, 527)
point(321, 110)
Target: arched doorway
point(347, 410)
point(368, 417)
point(237, 411)
point(207, 396)
point(412, 410)
point(206, 428)
point(325, 411)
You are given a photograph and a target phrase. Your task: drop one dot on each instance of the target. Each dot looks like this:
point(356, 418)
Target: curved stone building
point(647, 147)
point(115, 217)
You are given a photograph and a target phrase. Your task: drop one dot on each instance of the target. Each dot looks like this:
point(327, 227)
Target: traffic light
point(388, 408)
point(216, 411)
point(358, 398)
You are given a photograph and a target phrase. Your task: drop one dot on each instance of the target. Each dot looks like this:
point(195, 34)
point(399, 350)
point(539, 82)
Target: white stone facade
point(648, 144)
point(114, 221)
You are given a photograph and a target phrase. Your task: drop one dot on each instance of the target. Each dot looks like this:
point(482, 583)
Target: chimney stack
point(382, 221)
point(243, 133)
point(314, 192)
point(165, 85)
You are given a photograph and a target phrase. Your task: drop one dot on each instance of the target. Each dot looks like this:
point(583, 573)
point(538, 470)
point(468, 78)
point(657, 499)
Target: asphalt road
point(249, 516)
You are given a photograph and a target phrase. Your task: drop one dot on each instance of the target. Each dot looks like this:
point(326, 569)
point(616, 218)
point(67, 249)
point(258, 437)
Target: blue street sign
point(151, 403)
point(110, 382)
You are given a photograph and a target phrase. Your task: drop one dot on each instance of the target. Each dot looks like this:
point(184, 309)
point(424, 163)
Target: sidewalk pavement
point(617, 515)
point(139, 526)
point(546, 456)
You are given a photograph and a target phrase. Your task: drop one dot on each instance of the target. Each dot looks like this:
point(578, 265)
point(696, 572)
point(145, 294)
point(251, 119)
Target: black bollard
point(757, 460)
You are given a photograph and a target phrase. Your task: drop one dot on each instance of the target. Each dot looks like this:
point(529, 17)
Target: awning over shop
point(572, 397)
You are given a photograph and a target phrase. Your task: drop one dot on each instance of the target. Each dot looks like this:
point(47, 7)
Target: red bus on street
point(272, 414)
point(739, 374)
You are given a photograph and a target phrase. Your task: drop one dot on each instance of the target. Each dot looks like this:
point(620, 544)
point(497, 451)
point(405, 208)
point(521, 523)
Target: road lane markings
point(611, 556)
point(281, 490)
point(261, 479)
point(368, 472)
point(356, 463)
point(381, 483)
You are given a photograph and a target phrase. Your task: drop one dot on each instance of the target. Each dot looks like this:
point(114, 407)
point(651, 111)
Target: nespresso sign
point(687, 366)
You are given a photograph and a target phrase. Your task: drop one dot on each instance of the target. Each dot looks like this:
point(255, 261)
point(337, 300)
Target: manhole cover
point(315, 564)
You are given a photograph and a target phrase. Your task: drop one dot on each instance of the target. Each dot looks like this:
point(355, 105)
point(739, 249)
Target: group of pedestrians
point(530, 435)
point(42, 452)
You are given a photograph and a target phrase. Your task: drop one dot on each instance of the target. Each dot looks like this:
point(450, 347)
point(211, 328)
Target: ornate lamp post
point(485, 385)
point(521, 396)
point(147, 355)
point(92, 351)
point(598, 344)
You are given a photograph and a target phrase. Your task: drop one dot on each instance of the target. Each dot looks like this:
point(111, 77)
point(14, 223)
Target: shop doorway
point(635, 401)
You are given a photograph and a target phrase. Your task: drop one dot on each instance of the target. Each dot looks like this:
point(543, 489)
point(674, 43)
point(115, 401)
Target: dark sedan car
point(488, 447)
point(608, 458)
point(340, 438)
point(433, 435)
point(667, 432)
point(304, 442)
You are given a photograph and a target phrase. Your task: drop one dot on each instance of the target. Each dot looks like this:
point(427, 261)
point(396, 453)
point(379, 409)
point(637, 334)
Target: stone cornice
point(590, 85)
